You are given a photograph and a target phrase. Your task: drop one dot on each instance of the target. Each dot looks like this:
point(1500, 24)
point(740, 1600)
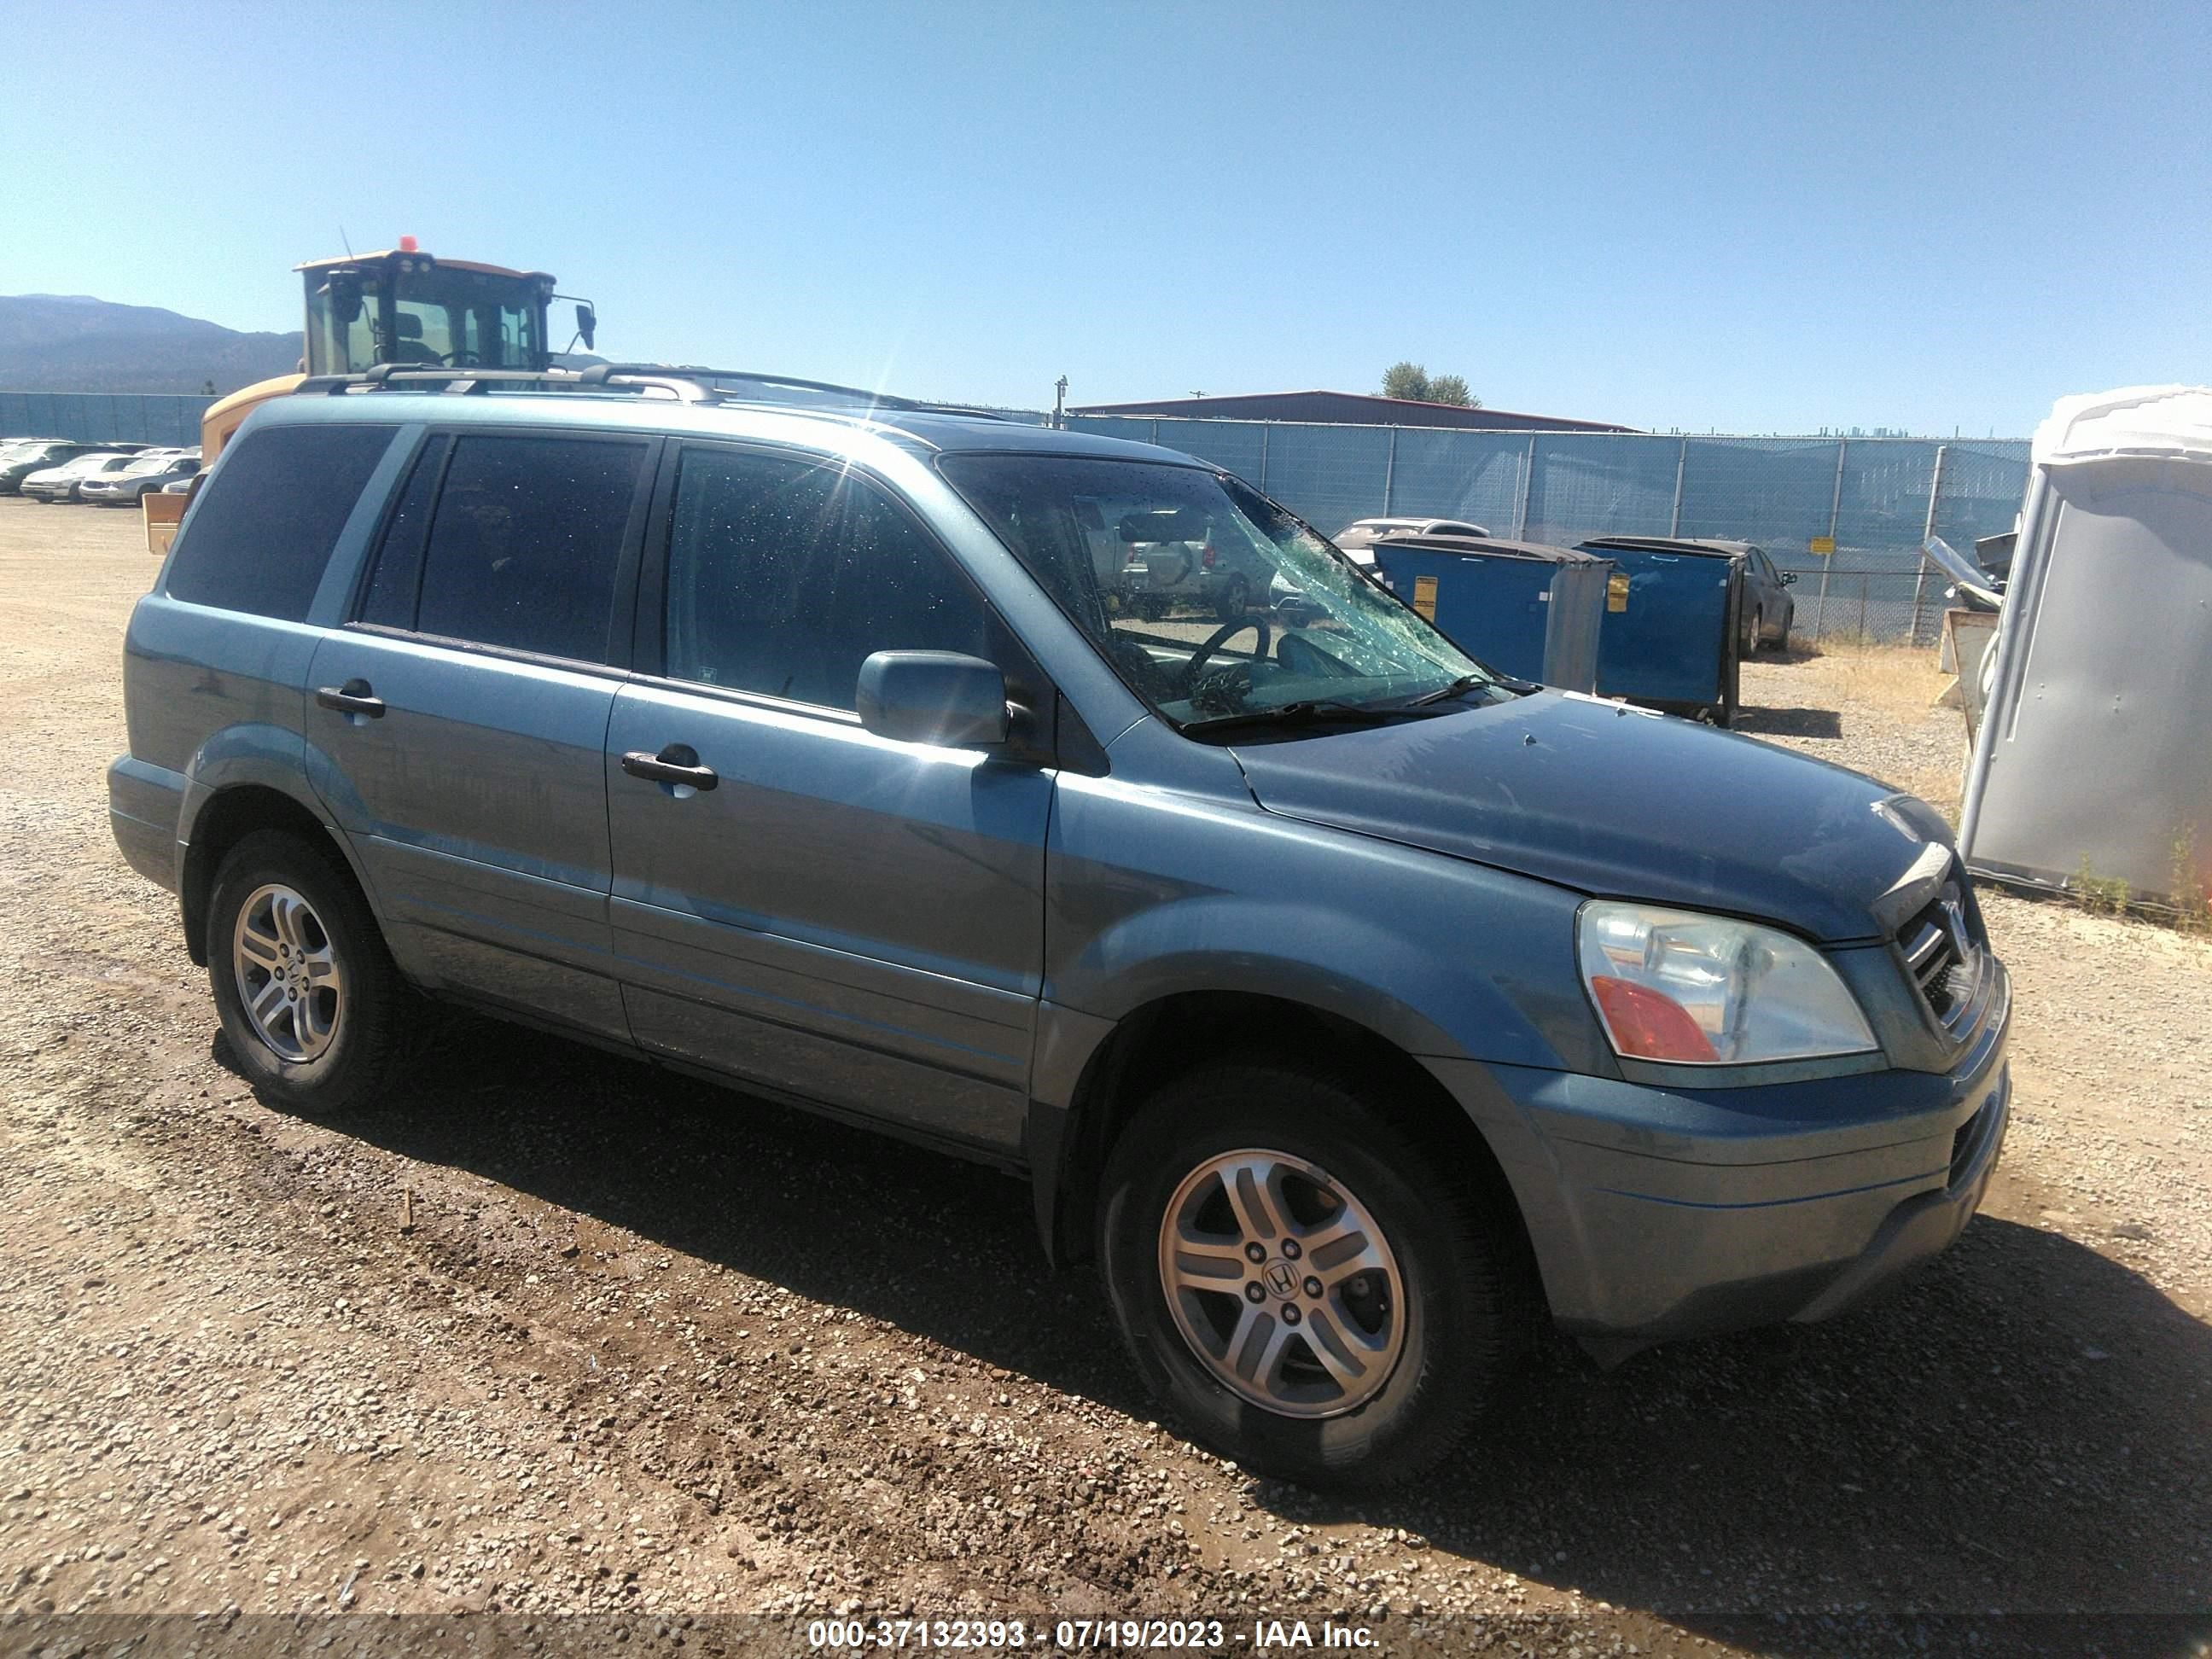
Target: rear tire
point(1236, 598)
point(306, 989)
point(1443, 1327)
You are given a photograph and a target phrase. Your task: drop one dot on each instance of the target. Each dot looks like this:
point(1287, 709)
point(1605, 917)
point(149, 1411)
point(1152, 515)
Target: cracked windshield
point(1211, 604)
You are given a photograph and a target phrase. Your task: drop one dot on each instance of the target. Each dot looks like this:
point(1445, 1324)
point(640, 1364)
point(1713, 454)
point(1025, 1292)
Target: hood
point(1617, 804)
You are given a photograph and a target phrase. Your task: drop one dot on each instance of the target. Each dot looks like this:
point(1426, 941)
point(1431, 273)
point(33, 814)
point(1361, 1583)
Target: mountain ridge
point(80, 342)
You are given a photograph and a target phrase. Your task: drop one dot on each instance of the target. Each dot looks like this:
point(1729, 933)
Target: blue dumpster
point(1671, 636)
point(1525, 609)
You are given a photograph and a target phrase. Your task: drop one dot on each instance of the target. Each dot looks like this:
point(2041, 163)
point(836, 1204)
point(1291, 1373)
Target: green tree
point(1403, 380)
point(1407, 379)
point(1452, 389)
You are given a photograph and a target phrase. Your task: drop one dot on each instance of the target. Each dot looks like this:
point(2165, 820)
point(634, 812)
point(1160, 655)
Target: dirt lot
point(654, 1350)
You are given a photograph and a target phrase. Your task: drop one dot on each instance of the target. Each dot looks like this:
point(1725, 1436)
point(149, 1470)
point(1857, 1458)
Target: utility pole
point(1060, 404)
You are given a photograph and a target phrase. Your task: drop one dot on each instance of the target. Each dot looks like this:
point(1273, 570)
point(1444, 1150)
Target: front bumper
point(1661, 1213)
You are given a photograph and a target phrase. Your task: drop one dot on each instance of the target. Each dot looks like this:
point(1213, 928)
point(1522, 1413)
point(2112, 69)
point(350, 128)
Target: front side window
point(524, 544)
point(786, 575)
point(1317, 631)
point(261, 530)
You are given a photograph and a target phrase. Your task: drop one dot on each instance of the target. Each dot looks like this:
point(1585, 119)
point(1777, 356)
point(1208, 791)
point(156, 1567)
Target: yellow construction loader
point(403, 306)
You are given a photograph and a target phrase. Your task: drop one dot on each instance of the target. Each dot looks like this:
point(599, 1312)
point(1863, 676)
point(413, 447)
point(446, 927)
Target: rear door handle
point(678, 764)
point(353, 698)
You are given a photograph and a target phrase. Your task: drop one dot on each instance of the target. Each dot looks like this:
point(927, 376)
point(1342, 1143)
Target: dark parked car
point(1348, 1005)
point(1770, 608)
point(37, 457)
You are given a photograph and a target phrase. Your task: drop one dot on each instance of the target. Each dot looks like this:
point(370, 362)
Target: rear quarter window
point(264, 527)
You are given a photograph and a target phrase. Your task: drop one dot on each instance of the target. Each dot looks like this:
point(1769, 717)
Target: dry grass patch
point(1901, 680)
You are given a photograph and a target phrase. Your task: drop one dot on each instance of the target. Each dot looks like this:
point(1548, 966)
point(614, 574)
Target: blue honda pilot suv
point(1351, 1004)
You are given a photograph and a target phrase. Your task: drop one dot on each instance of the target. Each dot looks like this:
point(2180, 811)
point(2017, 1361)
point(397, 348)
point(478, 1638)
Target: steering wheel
point(1235, 625)
point(462, 359)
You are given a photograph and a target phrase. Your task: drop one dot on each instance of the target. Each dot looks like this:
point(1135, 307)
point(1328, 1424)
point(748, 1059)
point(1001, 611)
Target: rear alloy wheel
point(306, 992)
point(289, 981)
point(1310, 1288)
point(1236, 598)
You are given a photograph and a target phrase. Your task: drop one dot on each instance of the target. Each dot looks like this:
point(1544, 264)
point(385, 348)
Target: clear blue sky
point(1771, 217)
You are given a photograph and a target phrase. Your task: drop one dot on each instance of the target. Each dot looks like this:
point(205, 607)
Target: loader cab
point(406, 306)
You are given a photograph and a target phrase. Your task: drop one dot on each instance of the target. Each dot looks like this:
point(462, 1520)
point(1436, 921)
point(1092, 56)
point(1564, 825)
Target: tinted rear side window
point(264, 527)
point(524, 542)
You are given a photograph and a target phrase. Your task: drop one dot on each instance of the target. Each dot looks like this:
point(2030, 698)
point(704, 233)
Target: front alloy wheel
point(1312, 1284)
point(1282, 1283)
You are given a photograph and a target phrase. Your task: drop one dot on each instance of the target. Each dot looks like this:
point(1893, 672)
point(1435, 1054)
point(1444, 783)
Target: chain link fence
point(1848, 515)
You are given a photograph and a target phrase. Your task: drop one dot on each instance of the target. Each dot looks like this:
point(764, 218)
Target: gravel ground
point(553, 1333)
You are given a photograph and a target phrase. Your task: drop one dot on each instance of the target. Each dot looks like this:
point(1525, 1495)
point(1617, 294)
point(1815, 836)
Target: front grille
point(1944, 956)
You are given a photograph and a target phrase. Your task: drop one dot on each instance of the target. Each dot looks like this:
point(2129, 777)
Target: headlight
point(1690, 989)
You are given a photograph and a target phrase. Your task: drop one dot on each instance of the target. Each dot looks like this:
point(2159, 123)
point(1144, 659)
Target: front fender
point(1149, 899)
point(1299, 952)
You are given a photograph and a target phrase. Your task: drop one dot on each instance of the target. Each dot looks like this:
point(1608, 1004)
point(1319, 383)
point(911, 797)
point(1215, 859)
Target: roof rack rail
point(689, 381)
point(423, 376)
point(598, 373)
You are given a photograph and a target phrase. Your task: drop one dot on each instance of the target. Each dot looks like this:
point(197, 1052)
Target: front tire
point(1298, 1278)
point(306, 991)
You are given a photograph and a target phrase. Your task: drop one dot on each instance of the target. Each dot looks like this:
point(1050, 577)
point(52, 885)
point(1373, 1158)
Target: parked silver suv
point(1348, 1005)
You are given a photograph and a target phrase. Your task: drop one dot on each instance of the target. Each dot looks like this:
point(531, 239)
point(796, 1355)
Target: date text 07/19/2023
point(1078, 1635)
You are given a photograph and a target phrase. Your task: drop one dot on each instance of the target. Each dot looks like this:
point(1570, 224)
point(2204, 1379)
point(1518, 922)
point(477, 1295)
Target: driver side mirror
point(938, 697)
point(588, 323)
point(345, 299)
point(1788, 578)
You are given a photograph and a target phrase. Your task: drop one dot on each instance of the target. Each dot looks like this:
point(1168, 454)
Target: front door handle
point(353, 698)
point(678, 764)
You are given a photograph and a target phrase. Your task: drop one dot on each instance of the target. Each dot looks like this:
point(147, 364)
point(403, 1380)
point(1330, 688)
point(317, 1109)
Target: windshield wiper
point(1304, 713)
point(1458, 688)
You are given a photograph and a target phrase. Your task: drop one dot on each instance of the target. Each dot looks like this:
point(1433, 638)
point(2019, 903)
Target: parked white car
point(1356, 539)
point(61, 483)
point(145, 474)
